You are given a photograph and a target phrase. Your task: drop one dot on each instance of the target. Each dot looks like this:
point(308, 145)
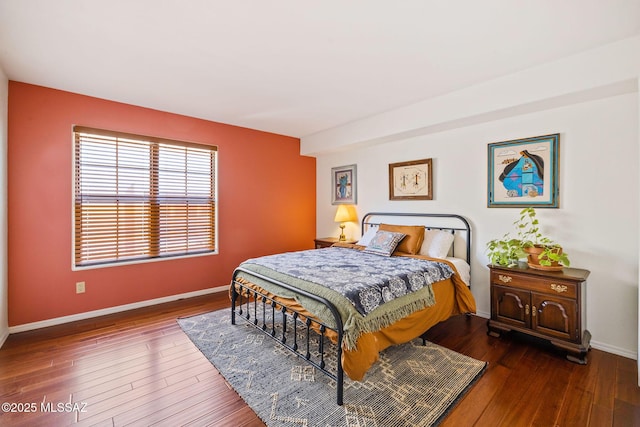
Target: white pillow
point(366, 237)
point(436, 243)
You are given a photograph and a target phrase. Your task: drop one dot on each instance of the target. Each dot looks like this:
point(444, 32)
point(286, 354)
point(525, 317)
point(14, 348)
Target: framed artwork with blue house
point(524, 172)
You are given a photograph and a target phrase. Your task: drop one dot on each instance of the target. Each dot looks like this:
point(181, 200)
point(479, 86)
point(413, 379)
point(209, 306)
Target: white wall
point(4, 92)
point(598, 219)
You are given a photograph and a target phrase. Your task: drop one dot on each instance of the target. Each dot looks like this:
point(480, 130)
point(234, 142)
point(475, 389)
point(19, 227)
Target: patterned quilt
point(366, 280)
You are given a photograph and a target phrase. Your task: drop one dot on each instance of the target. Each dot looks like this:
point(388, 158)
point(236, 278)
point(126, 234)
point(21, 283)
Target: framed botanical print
point(411, 180)
point(343, 185)
point(524, 172)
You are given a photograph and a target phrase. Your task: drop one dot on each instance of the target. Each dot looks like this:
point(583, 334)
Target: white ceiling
point(293, 67)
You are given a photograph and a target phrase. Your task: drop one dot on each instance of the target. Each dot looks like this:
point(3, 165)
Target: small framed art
point(411, 180)
point(343, 185)
point(524, 172)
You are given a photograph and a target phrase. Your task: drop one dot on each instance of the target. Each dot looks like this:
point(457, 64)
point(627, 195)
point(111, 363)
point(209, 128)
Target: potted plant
point(506, 251)
point(542, 252)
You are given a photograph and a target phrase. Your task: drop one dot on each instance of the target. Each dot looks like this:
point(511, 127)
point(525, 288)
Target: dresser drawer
point(537, 284)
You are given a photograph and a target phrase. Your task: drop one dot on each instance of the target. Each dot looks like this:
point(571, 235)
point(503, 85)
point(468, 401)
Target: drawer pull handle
point(533, 311)
point(505, 279)
point(526, 309)
point(559, 288)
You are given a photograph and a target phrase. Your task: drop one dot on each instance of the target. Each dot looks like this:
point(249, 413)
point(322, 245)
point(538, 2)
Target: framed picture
point(411, 180)
point(524, 172)
point(343, 185)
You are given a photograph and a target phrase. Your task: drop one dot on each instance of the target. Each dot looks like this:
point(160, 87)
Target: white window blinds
point(139, 197)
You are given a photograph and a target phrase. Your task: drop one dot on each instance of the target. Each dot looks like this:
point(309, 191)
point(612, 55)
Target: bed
point(407, 273)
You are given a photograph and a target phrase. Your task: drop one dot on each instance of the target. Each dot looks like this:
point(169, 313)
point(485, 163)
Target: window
point(139, 197)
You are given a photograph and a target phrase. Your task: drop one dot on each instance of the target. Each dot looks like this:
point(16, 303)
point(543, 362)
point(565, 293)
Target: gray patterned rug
point(411, 384)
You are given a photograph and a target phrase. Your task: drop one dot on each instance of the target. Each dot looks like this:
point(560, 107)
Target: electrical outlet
point(80, 287)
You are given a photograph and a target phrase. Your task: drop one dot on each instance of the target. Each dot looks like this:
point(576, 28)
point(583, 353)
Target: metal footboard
point(261, 311)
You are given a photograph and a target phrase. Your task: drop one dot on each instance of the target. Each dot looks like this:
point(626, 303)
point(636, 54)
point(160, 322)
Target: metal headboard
point(455, 224)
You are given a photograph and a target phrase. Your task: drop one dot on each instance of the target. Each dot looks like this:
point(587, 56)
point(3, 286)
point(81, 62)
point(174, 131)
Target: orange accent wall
point(266, 202)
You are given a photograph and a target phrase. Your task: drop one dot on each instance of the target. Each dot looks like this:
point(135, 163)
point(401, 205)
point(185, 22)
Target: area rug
point(411, 385)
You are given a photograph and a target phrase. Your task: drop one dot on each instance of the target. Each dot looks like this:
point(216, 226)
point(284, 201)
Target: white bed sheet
point(463, 268)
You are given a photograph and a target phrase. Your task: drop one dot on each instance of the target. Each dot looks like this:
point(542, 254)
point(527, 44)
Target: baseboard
point(110, 310)
point(615, 350)
point(4, 337)
point(483, 314)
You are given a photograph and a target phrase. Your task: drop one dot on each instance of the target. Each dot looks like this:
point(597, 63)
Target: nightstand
point(546, 304)
point(325, 242)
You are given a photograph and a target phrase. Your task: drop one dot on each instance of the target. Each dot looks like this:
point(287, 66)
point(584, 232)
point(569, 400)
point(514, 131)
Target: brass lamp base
point(342, 237)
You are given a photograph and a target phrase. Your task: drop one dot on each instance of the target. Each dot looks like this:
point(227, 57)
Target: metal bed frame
point(304, 336)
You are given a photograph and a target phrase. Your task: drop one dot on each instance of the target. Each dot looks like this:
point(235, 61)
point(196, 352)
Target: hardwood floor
point(138, 368)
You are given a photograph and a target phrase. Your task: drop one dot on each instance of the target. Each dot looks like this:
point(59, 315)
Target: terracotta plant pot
point(534, 260)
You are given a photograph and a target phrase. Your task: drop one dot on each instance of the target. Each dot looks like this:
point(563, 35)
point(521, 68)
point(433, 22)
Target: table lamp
point(345, 213)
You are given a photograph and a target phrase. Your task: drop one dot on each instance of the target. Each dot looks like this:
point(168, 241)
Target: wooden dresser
point(548, 305)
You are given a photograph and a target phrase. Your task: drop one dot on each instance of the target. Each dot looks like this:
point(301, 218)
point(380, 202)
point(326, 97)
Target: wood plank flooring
point(137, 368)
